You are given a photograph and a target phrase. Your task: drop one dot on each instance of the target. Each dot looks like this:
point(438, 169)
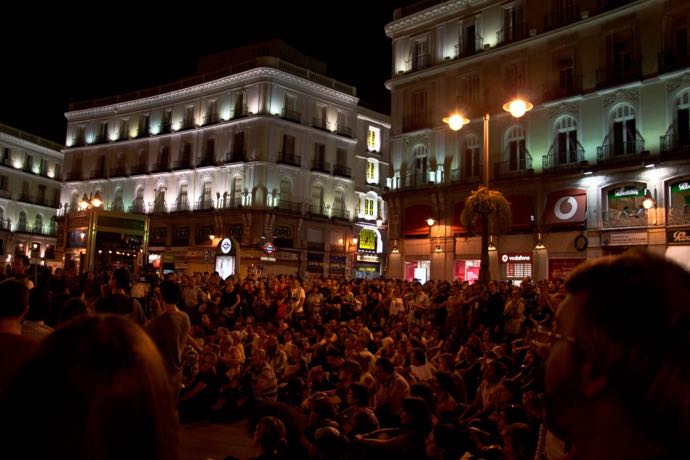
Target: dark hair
point(170, 292)
point(360, 393)
point(424, 391)
point(24, 258)
point(633, 325)
point(39, 305)
point(71, 309)
point(419, 355)
point(121, 276)
point(102, 391)
point(445, 381)
point(420, 414)
point(15, 298)
point(386, 365)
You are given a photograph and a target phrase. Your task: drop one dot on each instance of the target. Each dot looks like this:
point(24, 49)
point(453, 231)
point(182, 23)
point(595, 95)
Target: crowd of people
point(593, 367)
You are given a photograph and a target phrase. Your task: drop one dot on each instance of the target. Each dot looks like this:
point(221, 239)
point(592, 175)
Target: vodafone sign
point(512, 257)
point(567, 206)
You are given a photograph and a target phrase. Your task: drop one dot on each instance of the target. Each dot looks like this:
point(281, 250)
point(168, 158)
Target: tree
point(491, 209)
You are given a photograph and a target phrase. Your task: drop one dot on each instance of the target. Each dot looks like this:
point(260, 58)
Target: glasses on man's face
point(542, 336)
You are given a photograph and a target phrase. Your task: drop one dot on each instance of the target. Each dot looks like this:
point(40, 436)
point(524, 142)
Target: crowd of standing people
point(102, 367)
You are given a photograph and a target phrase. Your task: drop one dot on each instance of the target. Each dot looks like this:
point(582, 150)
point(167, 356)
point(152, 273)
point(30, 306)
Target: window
point(515, 77)
point(338, 203)
point(236, 191)
point(285, 191)
point(4, 183)
point(28, 163)
point(118, 205)
point(564, 69)
point(471, 163)
point(374, 139)
point(41, 197)
point(514, 27)
point(166, 121)
point(319, 154)
point(211, 112)
point(321, 118)
point(43, 169)
point(288, 145)
point(517, 152)
point(210, 149)
point(372, 171)
point(206, 200)
point(25, 191)
point(240, 108)
point(370, 209)
point(124, 129)
point(419, 55)
point(182, 199)
point(620, 55)
point(22, 224)
point(565, 145)
point(317, 199)
point(419, 166)
point(624, 130)
point(188, 121)
point(682, 118)
point(341, 157)
point(138, 205)
point(469, 39)
point(159, 205)
point(470, 89)
point(238, 143)
point(186, 156)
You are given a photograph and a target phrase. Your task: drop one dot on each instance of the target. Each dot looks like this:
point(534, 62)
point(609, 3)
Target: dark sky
point(53, 57)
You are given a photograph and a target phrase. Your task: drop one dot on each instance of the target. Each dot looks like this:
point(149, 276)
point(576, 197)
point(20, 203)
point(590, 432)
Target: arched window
point(236, 197)
point(74, 202)
point(285, 192)
point(206, 199)
point(182, 203)
point(22, 225)
point(138, 203)
point(471, 166)
point(339, 204)
point(159, 204)
point(623, 133)
point(38, 224)
point(118, 204)
point(317, 199)
point(420, 167)
point(515, 149)
point(681, 117)
point(565, 146)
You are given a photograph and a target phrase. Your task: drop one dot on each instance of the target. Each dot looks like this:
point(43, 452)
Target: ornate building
point(255, 148)
point(30, 168)
point(600, 165)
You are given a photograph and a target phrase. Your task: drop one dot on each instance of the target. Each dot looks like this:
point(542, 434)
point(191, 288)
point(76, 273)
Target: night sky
point(48, 63)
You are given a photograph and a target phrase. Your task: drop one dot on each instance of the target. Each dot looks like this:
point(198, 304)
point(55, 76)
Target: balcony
point(342, 171)
point(187, 123)
point(416, 121)
point(562, 17)
point(344, 131)
point(291, 115)
point(670, 60)
point(161, 166)
point(469, 48)
point(515, 167)
point(340, 214)
point(617, 219)
point(207, 160)
point(139, 170)
point(678, 215)
point(211, 119)
point(236, 157)
point(467, 176)
point(419, 62)
point(229, 202)
point(119, 171)
point(320, 123)
point(138, 207)
point(97, 174)
point(160, 207)
point(621, 151)
point(566, 87)
point(563, 161)
point(240, 111)
point(512, 33)
point(317, 210)
point(180, 205)
point(203, 204)
point(618, 75)
point(166, 128)
point(293, 207)
point(100, 138)
point(5, 194)
point(321, 166)
point(675, 146)
point(291, 159)
point(182, 164)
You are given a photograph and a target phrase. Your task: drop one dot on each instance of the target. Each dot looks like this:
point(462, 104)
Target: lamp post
point(517, 108)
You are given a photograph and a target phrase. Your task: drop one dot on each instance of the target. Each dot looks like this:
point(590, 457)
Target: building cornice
point(400, 26)
point(265, 73)
point(30, 146)
point(385, 124)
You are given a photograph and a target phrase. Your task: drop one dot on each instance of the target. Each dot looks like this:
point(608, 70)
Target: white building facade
point(30, 171)
point(262, 150)
point(610, 84)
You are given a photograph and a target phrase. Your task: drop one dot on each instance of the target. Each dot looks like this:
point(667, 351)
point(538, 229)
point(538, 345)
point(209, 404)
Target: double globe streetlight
point(517, 108)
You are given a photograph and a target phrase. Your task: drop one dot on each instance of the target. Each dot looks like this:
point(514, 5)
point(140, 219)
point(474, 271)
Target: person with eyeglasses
point(617, 378)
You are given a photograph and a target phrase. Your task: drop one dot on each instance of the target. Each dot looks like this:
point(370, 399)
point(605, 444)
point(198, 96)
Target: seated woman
point(95, 388)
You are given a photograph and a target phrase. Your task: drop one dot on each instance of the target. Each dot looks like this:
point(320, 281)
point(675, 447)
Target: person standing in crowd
point(618, 371)
point(14, 347)
point(20, 264)
point(169, 332)
point(95, 388)
point(119, 301)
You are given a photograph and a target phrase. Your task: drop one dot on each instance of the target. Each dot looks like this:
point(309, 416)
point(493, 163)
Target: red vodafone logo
point(565, 208)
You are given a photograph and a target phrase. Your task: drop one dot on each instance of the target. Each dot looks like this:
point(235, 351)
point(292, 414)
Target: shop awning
point(566, 207)
point(414, 220)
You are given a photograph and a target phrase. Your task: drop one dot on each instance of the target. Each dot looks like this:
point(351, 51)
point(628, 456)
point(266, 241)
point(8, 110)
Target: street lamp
point(517, 108)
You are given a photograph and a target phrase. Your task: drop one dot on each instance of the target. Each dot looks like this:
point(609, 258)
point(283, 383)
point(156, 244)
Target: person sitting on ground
point(15, 348)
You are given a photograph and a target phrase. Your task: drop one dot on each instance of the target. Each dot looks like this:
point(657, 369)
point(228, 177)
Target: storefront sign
point(283, 231)
point(680, 187)
point(366, 258)
point(626, 192)
point(367, 239)
point(285, 255)
point(525, 258)
point(678, 236)
point(268, 259)
point(624, 239)
point(226, 246)
point(567, 206)
point(269, 248)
